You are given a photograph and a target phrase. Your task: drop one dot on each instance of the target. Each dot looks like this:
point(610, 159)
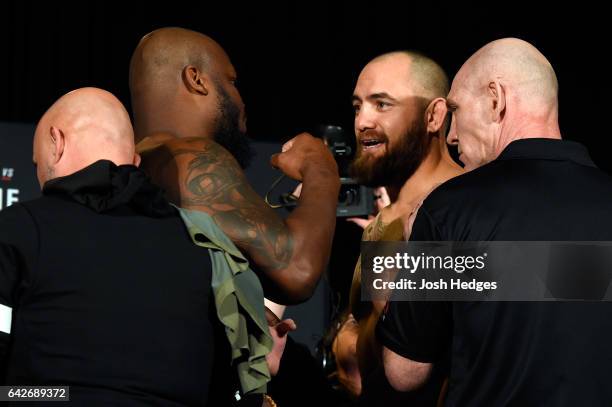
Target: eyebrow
point(375, 96)
point(382, 95)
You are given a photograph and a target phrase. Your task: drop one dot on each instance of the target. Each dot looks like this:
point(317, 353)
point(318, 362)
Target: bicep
point(418, 330)
point(404, 374)
point(212, 181)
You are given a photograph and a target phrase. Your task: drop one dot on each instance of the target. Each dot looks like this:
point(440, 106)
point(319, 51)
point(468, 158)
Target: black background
point(298, 61)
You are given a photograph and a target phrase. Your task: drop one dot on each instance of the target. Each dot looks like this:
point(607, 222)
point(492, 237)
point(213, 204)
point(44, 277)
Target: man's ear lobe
point(58, 141)
point(436, 114)
point(497, 93)
point(195, 81)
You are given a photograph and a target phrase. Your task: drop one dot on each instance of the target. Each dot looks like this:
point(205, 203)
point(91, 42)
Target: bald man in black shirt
point(524, 184)
point(92, 295)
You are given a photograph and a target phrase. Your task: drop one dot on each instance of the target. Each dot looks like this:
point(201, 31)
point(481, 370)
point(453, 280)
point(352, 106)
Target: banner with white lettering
point(17, 173)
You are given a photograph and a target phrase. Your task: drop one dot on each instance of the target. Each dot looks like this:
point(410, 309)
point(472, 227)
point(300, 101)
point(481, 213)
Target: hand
point(362, 223)
point(301, 154)
point(278, 330)
point(297, 191)
point(345, 353)
point(381, 198)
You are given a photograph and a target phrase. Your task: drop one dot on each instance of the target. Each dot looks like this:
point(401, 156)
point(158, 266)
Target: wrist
point(322, 170)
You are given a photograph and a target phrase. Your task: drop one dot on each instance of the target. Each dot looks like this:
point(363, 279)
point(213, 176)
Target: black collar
point(104, 186)
point(547, 149)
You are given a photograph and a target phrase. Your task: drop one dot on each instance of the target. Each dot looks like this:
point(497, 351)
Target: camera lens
point(348, 196)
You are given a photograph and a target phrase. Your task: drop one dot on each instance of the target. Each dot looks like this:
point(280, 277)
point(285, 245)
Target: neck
point(522, 128)
point(173, 118)
point(436, 168)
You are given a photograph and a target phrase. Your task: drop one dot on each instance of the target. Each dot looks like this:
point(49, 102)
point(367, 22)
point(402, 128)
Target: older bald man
point(524, 184)
point(87, 298)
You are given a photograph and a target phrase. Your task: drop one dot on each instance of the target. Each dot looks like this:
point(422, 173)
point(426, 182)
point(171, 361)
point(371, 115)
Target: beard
point(227, 131)
point(399, 162)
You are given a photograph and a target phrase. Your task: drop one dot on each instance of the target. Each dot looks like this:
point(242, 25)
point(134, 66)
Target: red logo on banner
point(7, 174)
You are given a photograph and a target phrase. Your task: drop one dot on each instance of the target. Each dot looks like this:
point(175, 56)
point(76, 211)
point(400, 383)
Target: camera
point(353, 199)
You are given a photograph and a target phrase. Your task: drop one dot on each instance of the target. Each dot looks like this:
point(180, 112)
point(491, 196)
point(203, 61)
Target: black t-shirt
point(108, 293)
point(511, 353)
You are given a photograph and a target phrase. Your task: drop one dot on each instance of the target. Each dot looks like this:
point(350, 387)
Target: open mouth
point(368, 144)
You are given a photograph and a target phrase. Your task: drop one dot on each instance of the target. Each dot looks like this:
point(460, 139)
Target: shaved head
point(161, 55)
point(504, 92)
point(518, 64)
point(80, 128)
point(183, 84)
point(428, 78)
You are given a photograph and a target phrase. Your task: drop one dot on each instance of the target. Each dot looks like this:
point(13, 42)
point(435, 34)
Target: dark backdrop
point(297, 64)
point(298, 61)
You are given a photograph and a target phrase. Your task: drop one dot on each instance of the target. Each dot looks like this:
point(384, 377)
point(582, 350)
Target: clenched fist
point(302, 154)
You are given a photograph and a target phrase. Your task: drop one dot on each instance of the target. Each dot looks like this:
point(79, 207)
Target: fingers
point(302, 138)
point(271, 317)
point(288, 145)
point(297, 191)
point(362, 223)
point(274, 160)
point(285, 326)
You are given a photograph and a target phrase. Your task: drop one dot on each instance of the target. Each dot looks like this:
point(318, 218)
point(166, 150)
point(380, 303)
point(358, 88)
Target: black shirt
point(511, 353)
point(109, 294)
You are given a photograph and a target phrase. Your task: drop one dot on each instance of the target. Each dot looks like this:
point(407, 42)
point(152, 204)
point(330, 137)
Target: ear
point(59, 143)
point(435, 114)
point(195, 80)
point(136, 160)
point(497, 94)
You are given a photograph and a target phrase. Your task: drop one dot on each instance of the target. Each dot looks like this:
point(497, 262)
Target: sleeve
point(299, 370)
point(18, 242)
point(418, 330)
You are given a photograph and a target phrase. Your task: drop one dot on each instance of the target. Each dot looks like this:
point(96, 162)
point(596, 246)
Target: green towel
point(239, 300)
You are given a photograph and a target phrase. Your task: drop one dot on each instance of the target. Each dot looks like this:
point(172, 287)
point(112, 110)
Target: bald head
point(520, 67)
point(177, 78)
point(161, 55)
point(80, 128)
point(504, 92)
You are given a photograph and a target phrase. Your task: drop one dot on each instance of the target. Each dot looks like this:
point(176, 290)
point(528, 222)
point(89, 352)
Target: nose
point(452, 138)
point(364, 120)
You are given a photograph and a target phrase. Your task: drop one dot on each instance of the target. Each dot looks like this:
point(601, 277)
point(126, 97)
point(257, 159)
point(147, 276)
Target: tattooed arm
point(291, 255)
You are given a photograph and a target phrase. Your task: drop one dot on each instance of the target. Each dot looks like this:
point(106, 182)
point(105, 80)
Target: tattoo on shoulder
point(212, 181)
